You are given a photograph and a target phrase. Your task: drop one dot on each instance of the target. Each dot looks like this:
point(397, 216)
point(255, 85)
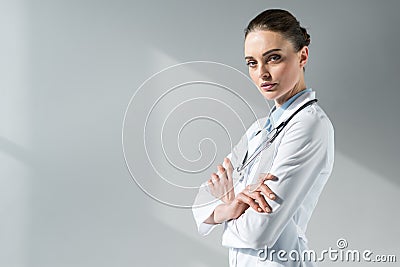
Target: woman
point(266, 206)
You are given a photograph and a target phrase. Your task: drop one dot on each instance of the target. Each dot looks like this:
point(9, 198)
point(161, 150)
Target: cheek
point(253, 76)
point(284, 72)
point(278, 71)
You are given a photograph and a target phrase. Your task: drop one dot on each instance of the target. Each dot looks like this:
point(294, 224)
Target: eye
point(274, 58)
point(251, 63)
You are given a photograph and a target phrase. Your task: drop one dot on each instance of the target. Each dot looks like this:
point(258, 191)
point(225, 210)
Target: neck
point(297, 88)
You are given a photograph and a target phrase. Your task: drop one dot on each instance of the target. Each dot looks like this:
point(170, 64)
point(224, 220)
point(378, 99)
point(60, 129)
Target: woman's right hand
point(221, 186)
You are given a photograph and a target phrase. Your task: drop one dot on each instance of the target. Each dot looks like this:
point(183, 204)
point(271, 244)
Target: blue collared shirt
point(276, 113)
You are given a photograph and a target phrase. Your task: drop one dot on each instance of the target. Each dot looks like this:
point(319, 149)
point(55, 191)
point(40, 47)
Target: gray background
point(68, 70)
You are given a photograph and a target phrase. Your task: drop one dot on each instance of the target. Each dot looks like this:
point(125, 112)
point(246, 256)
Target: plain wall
point(69, 70)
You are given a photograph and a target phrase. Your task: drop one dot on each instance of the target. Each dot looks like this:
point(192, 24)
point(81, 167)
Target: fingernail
point(259, 209)
point(272, 196)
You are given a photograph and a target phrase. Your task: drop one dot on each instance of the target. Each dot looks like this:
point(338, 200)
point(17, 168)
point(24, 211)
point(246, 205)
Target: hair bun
point(283, 22)
point(307, 37)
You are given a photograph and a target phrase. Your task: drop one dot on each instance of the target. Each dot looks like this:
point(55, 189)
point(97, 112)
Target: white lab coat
point(302, 158)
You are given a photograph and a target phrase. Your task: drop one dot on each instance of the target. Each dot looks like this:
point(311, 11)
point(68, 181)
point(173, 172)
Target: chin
point(269, 95)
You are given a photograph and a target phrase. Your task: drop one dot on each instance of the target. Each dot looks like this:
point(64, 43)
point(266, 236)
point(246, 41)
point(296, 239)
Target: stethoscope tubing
point(269, 141)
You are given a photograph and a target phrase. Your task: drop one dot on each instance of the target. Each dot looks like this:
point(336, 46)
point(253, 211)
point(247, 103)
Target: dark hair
point(283, 22)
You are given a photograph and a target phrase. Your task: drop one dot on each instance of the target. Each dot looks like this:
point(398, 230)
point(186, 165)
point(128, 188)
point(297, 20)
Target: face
point(274, 66)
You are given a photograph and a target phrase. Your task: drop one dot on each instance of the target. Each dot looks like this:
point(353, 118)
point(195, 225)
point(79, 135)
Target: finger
point(260, 199)
point(221, 169)
point(222, 174)
point(267, 177)
point(209, 182)
point(214, 178)
point(227, 163)
point(266, 191)
point(228, 167)
point(249, 201)
point(253, 187)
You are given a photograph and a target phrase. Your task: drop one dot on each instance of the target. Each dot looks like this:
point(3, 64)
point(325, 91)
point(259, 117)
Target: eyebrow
point(265, 53)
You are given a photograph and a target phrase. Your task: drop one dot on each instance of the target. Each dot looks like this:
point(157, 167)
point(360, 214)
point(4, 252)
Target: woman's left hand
point(260, 192)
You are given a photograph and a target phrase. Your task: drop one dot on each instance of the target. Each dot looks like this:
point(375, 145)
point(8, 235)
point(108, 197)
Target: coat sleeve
point(205, 204)
point(303, 154)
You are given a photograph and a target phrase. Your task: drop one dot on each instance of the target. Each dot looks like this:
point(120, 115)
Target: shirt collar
point(276, 113)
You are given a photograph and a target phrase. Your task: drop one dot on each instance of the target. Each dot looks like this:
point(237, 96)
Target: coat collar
point(277, 115)
point(288, 111)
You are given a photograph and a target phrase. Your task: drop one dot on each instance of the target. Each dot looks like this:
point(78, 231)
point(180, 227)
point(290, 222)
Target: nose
point(264, 72)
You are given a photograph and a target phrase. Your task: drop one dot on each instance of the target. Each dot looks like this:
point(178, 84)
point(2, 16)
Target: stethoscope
point(270, 138)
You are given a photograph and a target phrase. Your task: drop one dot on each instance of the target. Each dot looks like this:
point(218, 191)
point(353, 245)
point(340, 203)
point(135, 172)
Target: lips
point(267, 86)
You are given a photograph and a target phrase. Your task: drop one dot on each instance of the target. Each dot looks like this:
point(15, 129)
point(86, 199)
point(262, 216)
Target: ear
point(303, 56)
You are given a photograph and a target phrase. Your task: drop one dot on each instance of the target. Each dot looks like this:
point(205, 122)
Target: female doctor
point(268, 186)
